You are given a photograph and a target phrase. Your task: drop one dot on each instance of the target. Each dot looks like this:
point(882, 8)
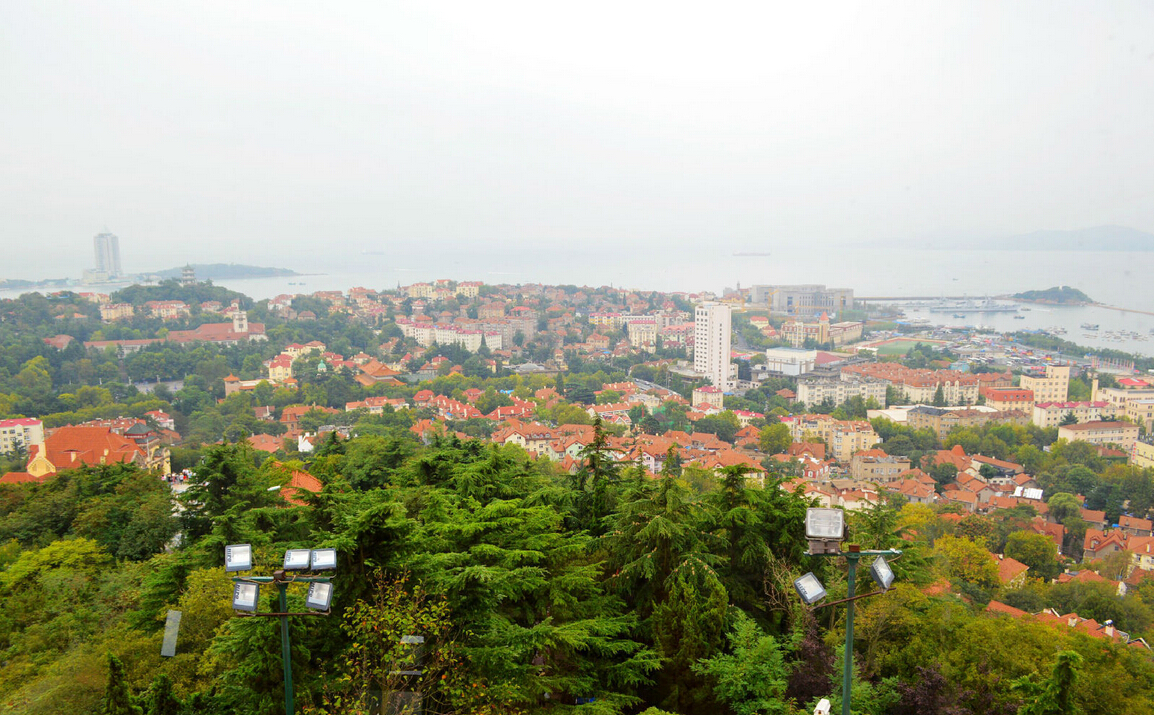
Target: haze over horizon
point(267, 132)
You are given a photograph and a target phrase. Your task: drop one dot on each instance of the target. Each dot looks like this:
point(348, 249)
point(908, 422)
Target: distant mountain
point(227, 271)
point(1097, 238)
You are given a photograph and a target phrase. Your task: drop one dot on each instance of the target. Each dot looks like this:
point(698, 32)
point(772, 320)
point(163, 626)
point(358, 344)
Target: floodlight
point(414, 649)
point(296, 559)
point(825, 524)
point(323, 560)
point(882, 573)
point(245, 596)
point(809, 588)
point(238, 557)
point(320, 596)
point(822, 707)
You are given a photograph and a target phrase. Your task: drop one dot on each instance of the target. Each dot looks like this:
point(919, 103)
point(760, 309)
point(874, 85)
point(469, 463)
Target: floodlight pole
point(278, 579)
point(286, 648)
point(852, 554)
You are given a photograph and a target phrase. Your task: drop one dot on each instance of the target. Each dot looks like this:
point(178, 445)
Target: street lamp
point(246, 593)
point(825, 529)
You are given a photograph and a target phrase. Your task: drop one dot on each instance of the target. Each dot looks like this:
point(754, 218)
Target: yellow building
point(1123, 434)
point(1054, 387)
point(1142, 455)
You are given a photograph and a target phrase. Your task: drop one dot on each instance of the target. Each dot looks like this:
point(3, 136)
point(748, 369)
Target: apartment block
point(1054, 386)
point(1123, 434)
point(816, 390)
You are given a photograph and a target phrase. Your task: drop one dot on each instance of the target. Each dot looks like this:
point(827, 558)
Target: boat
point(1019, 317)
point(959, 315)
point(1089, 326)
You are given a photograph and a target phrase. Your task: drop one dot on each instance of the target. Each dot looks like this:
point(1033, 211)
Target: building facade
point(802, 299)
point(1051, 414)
point(712, 329)
point(20, 433)
point(1054, 386)
point(816, 390)
point(1123, 434)
point(790, 361)
point(107, 247)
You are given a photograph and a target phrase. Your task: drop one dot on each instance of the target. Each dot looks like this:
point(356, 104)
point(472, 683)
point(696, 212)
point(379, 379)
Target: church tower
point(239, 321)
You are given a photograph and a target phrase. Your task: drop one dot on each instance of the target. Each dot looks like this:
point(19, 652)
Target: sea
point(1115, 278)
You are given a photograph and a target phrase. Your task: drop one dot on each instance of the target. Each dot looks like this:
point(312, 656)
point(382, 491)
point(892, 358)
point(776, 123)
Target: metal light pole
point(278, 579)
point(246, 595)
point(852, 555)
point(825, 530)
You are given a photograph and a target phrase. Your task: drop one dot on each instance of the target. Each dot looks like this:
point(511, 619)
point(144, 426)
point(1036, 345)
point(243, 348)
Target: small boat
point(1019, 317)
point(1089, 326)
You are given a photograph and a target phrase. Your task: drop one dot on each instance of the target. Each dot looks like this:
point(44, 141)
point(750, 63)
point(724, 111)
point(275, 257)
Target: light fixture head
point(809, 588)
point(296, 559)
point(323, 560)
point(826, 524)
point(320, 596)
point(882, 573)
point(245, 596)
point(238, 557)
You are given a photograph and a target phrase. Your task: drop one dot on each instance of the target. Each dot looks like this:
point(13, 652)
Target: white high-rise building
point(711, 343)
point(108, 254)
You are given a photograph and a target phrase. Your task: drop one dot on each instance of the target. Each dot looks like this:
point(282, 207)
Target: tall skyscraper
point(711, 343)
point(108, 254)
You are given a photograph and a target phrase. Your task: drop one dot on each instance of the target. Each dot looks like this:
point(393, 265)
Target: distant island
point(1058, 295)
point(228, 271)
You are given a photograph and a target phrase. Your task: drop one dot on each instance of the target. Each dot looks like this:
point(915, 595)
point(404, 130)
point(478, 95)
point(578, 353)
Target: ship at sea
point(971, 306)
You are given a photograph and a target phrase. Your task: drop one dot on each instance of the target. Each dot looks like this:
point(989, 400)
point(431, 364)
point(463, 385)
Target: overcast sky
point(263, 131)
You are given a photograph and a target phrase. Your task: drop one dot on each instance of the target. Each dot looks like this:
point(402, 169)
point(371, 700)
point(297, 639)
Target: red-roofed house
point(74, 447)
point(1011, 572)
point(1001, 609)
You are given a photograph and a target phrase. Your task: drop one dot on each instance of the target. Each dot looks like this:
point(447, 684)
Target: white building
point(21, 432)
point(711, 343)
point(816, 390)
point(790, 361)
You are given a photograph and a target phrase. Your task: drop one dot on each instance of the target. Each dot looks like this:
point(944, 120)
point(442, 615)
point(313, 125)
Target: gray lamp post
point(825, 530)
point(246, 594)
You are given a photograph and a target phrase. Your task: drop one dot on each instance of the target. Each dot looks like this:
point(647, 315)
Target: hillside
point(228, 271)
point(1058, 295)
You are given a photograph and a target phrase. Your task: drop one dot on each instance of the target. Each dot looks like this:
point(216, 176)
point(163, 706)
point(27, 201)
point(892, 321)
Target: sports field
point(900, 346)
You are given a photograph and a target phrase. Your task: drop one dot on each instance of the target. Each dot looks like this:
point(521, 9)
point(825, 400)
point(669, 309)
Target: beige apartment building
point(943, 419)
point(1054, 387)
point(643, 334)
point(842, 437)
point(1142, 454)
point(1141, 411)
point(1123, 434)
point(816, 390)
point(874, 465)
point(921, 386)
point(1051, 414)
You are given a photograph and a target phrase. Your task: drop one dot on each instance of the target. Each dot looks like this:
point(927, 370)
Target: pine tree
point(161, 699)
point(117, 699)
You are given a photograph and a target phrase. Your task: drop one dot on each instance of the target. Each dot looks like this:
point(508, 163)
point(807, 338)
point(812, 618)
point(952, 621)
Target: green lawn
point(901, 346)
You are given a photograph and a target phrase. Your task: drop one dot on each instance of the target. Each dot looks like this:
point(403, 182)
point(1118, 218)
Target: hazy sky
point(272, 132)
